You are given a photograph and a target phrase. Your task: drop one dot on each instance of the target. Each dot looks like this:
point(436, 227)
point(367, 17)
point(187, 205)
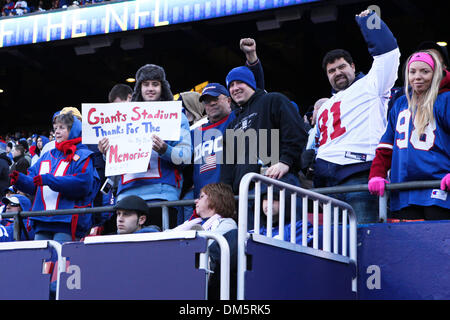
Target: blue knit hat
point(243, 74)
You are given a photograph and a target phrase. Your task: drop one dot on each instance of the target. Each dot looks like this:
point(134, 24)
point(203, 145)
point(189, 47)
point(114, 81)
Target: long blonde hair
point(422, 108)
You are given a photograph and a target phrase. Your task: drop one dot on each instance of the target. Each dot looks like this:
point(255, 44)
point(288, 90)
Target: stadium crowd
point(365, 132)
point(21, 7)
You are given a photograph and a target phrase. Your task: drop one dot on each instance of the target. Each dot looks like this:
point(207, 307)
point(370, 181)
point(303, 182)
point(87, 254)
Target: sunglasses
point(11, 204)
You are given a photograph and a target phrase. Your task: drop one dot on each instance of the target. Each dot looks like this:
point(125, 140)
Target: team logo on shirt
point(210, 163)
point(439, 194)
point(208, 148)
point(246, 122)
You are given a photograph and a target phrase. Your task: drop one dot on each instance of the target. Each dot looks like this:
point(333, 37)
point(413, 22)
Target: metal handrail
point(389, 186)
point(164, 205)
point(313, 193)
point(382, 200)
point(180, 203)
point(296, 192)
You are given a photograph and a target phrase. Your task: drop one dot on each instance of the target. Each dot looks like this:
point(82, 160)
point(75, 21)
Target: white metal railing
point(165, 205)
point(331, 207)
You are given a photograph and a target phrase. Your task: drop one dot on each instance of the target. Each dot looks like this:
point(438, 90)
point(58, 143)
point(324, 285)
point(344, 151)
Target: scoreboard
point(110, 17)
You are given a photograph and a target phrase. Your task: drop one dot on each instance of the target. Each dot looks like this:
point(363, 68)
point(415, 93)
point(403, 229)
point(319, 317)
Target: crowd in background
point(21, 7)
point(350, 137)
point(365, 132)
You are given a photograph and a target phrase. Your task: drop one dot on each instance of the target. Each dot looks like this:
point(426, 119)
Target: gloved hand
point(445, 182)
point(14, 177)
point(376, 185)
point(37, 180)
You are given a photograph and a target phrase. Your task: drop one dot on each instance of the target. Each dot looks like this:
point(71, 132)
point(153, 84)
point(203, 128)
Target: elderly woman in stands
point(214, 210)
point(416, 145)
point(63, 178)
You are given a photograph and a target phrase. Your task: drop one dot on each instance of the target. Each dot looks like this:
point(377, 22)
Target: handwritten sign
point(129, 127)
point(131, 119)
point(128, 156)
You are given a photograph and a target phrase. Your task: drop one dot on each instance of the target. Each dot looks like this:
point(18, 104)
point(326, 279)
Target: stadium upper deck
point(38, 79)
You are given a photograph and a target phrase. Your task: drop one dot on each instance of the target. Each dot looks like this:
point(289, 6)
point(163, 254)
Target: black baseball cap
point(132, 203)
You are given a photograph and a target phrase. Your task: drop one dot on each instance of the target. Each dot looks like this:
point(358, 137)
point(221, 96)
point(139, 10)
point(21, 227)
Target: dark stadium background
point(42, 78)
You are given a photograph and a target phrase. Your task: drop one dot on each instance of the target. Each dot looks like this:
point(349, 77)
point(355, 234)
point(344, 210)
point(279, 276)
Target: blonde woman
point(416, 144)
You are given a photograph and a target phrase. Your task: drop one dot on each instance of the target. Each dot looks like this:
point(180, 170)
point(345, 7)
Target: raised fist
point(247, 45)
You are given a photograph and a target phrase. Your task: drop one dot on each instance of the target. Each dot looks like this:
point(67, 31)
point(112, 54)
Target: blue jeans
point(58, 236)
point(364, 204)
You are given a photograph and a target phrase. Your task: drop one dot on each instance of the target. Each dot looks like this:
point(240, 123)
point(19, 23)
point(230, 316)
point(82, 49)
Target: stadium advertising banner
point(129, 127)
point(122, 16)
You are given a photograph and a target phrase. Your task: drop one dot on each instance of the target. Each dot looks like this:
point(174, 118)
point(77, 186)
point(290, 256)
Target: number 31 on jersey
point(337, 130)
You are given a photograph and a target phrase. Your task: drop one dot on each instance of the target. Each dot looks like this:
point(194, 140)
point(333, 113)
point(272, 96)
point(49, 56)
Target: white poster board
point(129, 127)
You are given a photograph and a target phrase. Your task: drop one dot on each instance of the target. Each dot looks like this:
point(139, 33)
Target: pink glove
point(445, 182)
point(376, 185)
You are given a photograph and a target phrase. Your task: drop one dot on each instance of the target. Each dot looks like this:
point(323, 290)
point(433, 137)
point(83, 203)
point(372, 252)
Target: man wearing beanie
point(163, 179)
point(207, 137)
point(275, 123)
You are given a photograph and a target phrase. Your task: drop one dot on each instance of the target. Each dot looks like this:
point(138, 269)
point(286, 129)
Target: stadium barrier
point(328, 242)
point(158, 265)
point(328, 247)
point(161, 265)
point(21, 266)
point(165, 205)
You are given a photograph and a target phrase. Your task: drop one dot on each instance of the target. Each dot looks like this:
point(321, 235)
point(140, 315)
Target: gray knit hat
point(152, 72)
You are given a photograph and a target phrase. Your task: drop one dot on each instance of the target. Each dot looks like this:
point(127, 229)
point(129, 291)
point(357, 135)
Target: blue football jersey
point(207, 142)
point(417, 156)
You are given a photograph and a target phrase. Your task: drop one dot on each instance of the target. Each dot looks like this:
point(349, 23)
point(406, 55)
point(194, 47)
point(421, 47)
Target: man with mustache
point(351, 122)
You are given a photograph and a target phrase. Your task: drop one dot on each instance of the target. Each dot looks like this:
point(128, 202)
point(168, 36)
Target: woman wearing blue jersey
point(416, 145)
point(63, 178)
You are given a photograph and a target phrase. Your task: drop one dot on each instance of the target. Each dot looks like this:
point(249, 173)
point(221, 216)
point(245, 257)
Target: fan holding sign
point(147, 138)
